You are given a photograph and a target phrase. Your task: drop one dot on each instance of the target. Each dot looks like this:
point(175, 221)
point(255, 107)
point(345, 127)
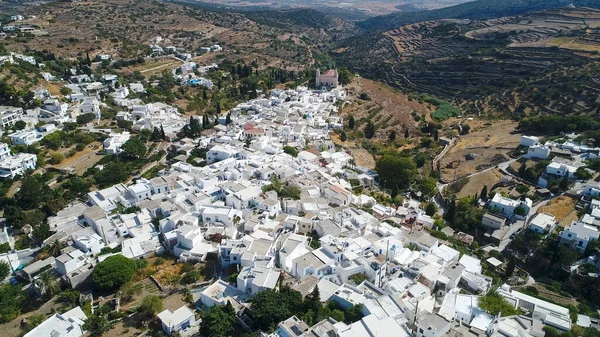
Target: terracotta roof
point(329, 72)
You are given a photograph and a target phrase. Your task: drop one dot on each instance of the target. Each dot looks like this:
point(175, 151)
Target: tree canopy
point(113, 272)
point(151, 305)
point(218, 321)
point(134, 148)
point(396, 171)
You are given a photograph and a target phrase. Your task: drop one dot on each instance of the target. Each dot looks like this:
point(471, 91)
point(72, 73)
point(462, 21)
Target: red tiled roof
point(329, 72)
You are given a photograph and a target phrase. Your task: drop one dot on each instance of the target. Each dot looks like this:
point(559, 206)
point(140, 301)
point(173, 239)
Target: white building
point(578, 235)
point(221, 152)
point(252, 280)
point(90, 105)
point(69, 324)
point(507, 206)
point(113, 143)
point(24, 137)
point(17, 165)
point(10, 115)
point(177, 321)
point(537, 151)
point(529, 140)
point(542, 223)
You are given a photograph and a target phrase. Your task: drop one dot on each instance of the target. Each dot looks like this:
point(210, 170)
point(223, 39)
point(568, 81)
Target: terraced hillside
point(546, 62)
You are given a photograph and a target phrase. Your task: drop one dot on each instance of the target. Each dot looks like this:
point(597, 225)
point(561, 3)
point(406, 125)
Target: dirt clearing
point(475, 184)
point(487, 144)
point(562, 208)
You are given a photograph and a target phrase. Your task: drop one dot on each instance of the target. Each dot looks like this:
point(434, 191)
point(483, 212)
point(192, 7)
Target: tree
point(34, 192)
point(53, 249)
point(4, 270)
point(85, 118)
point(392, 136)
point(151, 305)
point(430, 210)
point(96, 325)
point(228, 119)
point(312, 303)
point(162, 133)
point(343, 136)
point(583, 174)
point(113, 272)
point(351, 122)
point(65, 91)
point(493, 303)
point(13, 299)
point(112, 173)
point(406, 135)
point(15, 217)
point(134, 147)
point(510, 267)
point(395, 170)
point(484, 192)
point(53, 140)
point(20, 125)
point(218, 321)
point(369, 130)
point(291, 151)
point(156, 135)
point(428, 187)
point(270, 307)
point(48, 283)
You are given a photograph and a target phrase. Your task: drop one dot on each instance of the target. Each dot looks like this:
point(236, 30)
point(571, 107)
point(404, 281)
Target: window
point(235, 258)
point(569, 235)
point(420, 330)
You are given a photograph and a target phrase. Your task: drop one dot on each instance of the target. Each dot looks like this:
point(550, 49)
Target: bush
point(85, 118)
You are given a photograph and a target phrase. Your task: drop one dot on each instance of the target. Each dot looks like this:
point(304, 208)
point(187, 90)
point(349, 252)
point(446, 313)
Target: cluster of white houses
point(258, 209)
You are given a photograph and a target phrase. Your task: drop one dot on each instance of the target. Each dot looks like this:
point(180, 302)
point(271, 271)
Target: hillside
point(478, 10)
point(124, 29)
point(544, 62)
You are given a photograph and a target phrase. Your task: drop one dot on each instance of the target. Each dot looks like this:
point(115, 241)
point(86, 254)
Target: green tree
point(48, 283)
point(428, 187)
point(34, 192)
point(271, 307)
point(351, 122)
point(151, 305)
point(392, 136)
point(510, 267)
point(218, 321)
point(13, 300)
point(113, 272)
point(85, 118)
point(15, 217)
point(395, 170)
point(53, 140)
point(20, 125)
point(406, 135)
point(156, 135)
point(65, 91)
point(4, 270)
point(291, 151)
point(430, 210)
point(484, 193)
point(369, 130)
point(493, 303)
point(134, 148)
point(113, 172)
point(228, 119)
point(96, 325)
point(312, 303)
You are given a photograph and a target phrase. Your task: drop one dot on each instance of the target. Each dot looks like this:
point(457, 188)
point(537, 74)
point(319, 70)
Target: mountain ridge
point(480, 9)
